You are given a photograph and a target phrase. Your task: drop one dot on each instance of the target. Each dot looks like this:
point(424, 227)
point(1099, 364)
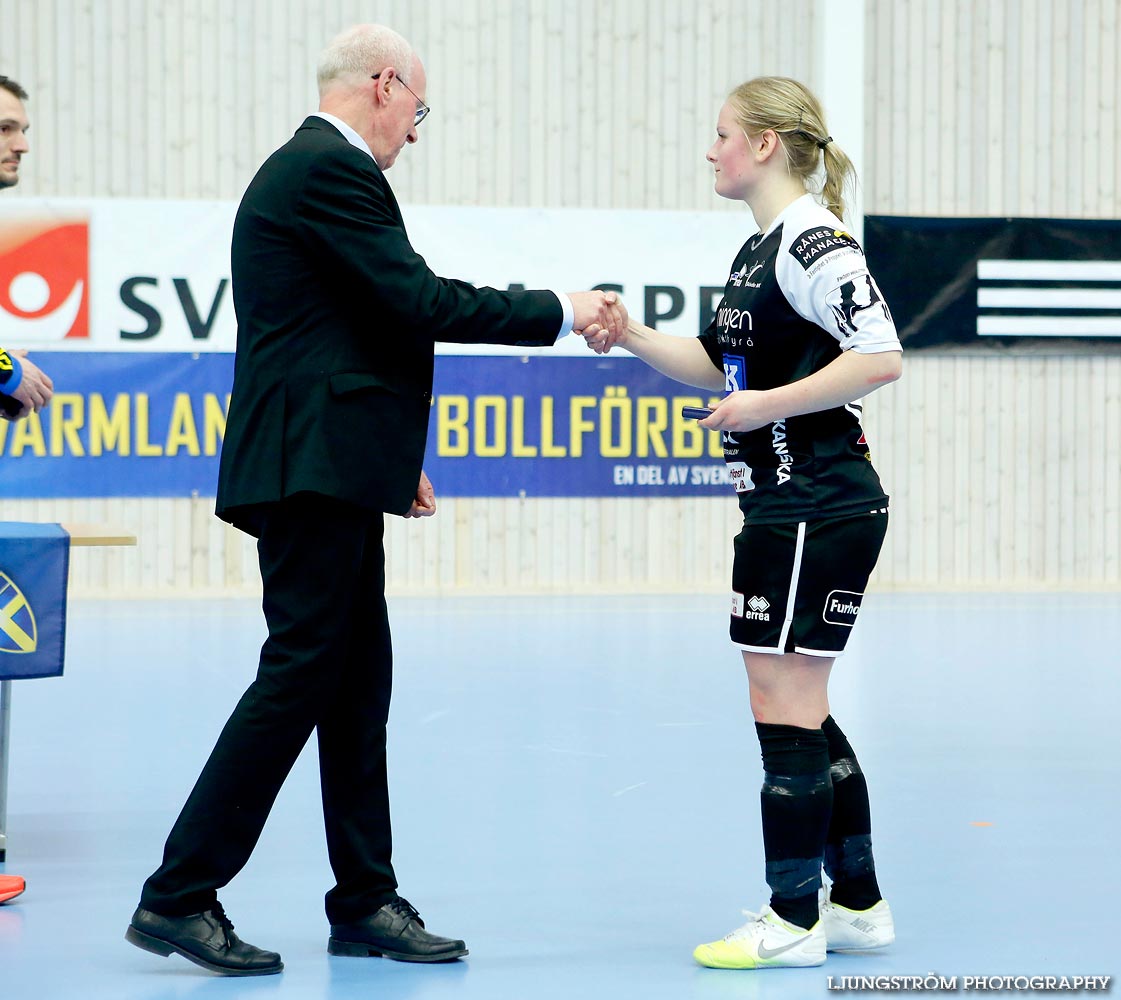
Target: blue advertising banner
point(121, 424)
point(34, 563)
point(568, 427)
point(151, 424)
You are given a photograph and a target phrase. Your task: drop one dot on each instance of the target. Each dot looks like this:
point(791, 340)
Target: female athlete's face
point(731, 157)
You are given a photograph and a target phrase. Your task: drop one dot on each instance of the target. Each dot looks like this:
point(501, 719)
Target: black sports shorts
point(797, 588)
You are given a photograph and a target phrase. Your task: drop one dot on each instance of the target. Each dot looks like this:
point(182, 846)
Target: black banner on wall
point(998, 282)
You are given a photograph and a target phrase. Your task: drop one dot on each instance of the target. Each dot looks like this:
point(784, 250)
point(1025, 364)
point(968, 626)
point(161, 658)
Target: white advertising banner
point(134, 275)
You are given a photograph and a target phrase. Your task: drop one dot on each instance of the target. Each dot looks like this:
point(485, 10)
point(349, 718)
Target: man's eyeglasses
point(422, 109)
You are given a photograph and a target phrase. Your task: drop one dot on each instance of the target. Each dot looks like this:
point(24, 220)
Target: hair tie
point(822, 143)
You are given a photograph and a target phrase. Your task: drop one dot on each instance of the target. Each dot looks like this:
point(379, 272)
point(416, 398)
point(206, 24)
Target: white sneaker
point(857, 930)
point(766, 942)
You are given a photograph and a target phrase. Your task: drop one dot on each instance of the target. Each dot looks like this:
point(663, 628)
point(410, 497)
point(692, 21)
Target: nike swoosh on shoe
point(765, 952)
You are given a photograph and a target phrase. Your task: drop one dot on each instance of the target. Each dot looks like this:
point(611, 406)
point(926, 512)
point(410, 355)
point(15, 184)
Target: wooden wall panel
point(1007, 107)
point(1005, 471)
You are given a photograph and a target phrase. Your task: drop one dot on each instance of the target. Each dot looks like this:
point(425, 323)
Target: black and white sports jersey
point(798, 295)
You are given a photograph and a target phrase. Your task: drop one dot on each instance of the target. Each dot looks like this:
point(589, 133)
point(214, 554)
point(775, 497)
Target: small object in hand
point(696, 412)
point(10, 405)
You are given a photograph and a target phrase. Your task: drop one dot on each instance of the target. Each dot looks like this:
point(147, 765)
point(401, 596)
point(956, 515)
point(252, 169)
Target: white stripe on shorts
point(757, 649)
point(794, 573)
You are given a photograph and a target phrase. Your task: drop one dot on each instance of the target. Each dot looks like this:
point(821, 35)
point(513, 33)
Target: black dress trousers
point(326, 665)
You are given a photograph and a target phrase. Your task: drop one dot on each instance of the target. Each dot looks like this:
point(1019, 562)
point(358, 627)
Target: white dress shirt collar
point(348, 133)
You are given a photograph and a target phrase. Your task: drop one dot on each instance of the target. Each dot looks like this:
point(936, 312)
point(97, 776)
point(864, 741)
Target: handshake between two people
point(603, 322)
point(600, 318)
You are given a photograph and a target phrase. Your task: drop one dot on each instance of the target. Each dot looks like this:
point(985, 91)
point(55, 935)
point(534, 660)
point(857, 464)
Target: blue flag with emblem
point(34, 563)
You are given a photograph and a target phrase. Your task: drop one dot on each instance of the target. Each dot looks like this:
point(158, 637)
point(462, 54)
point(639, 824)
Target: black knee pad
point(791, 750)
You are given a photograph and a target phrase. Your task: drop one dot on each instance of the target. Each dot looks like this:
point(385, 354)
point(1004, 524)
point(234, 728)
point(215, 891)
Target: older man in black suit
point(337, 321)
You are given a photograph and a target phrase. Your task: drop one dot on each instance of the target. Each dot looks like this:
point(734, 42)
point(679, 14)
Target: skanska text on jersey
point(778, 443)
point(778, 436)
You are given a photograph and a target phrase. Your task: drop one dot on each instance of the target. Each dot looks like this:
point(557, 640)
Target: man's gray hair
point(357, 53)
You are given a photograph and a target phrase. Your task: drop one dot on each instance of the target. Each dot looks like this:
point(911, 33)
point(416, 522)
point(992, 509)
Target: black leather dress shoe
point(207, 939)
point(395, 931)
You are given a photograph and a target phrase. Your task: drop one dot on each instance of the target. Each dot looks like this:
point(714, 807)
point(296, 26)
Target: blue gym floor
point(575, 789)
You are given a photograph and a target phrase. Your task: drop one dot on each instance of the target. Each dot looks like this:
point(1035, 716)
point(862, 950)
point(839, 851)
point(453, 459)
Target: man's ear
point(381, 84)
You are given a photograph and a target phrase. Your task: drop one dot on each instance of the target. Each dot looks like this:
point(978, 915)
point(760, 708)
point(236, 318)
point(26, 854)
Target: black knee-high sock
point(796, 801)
point(848, 848)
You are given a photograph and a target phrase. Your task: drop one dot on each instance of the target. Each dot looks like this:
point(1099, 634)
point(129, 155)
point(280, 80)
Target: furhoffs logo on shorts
point(842, 607)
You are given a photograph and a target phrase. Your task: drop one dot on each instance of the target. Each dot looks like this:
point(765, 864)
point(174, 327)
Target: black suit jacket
point(337, 321)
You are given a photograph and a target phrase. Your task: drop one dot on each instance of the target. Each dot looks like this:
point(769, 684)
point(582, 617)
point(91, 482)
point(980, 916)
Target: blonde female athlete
point(800, 336)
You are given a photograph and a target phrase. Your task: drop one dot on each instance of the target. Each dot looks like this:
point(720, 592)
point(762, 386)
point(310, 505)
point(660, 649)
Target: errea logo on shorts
point(842, 607)
point(754, 608)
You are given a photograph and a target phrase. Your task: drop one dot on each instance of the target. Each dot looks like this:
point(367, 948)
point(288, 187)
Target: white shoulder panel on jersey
point(824, 276)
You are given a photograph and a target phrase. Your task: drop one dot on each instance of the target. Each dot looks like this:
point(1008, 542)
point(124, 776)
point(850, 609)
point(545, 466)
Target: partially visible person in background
point(13, 130)
point(24, 388)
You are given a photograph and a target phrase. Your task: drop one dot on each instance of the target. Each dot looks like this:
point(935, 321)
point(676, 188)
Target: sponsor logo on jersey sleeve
point(817, 243)
point(842, 607)
point(849, 299)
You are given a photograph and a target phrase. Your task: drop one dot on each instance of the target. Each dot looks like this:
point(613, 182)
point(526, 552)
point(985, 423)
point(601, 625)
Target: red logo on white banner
point(44, 280)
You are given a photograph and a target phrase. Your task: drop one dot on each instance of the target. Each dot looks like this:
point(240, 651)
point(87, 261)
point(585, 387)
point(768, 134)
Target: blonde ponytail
point(839, 174)
point(791, 110)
